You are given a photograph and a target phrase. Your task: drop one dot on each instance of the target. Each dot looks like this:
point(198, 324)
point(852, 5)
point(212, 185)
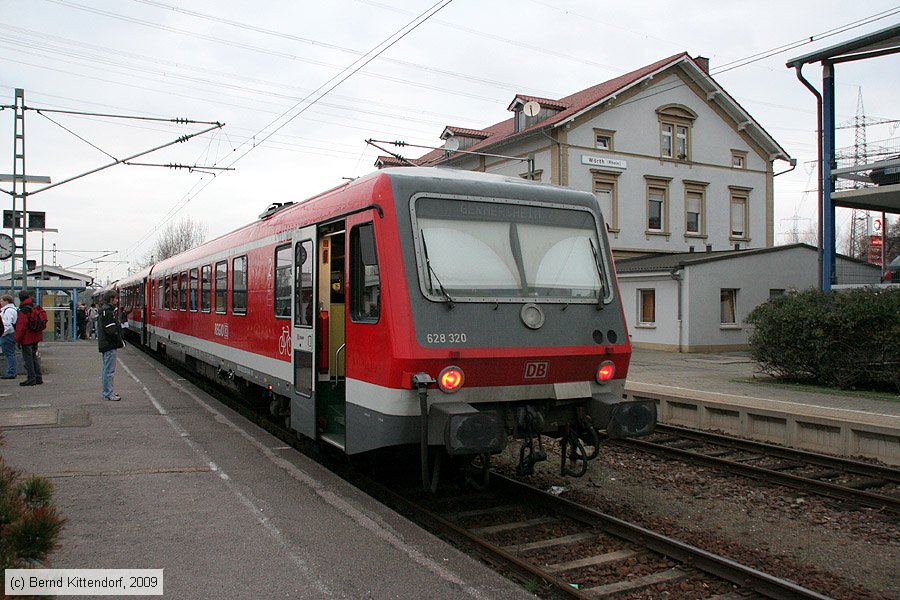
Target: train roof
point(346, 198)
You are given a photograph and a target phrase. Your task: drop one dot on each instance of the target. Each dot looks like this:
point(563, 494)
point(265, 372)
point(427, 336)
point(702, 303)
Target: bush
point(839, 339)
point(29, 522)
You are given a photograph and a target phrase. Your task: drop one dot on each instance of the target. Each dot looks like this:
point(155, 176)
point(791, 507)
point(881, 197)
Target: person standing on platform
point(81, 321)
point(29, 333)
point(109, 339)
point(9, 313)
point(93, 313)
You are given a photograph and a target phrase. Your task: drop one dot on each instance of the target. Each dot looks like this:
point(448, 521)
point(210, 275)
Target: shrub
point(29, 522)
point(841, 339)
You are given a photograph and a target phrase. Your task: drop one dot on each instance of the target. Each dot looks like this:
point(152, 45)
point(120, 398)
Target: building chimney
point(703, 63)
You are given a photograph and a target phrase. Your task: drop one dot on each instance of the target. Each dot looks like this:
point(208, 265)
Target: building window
point(603, 139)
point(728, 307)
point(647, 307)
point(675, 123)
point(656, 208)
point(365, 277)
point(205, 288)
point(221, 286)
point(695, 211)
point(775, 293)
point(675, 141)
point(283, 281)
point(239, 286)
point(606, 192)
point(738, 159)
point(665, 133)
point(738, 218)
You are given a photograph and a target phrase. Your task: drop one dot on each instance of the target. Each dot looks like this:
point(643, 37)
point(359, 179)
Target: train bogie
point(424, 306)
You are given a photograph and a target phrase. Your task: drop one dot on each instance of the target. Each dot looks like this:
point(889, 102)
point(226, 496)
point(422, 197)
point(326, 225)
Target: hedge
point(845, 339)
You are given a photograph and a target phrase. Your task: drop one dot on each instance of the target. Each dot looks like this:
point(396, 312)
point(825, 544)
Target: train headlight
point(606, 371)
point(451, 379)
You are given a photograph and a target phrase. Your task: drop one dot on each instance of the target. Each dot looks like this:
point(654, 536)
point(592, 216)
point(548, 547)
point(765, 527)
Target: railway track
point(859, 483)
point(552, 546)
point(557, 548)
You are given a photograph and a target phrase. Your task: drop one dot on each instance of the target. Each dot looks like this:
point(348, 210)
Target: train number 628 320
point(446, 338)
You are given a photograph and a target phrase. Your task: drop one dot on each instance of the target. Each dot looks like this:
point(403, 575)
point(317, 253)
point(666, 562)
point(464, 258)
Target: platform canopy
point(879, 198)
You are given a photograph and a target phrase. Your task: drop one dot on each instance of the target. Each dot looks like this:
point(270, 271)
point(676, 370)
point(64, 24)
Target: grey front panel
point(499, 324)
point(368, 429)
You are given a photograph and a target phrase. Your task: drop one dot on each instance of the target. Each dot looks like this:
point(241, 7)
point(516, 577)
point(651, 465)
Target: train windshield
point(476, 251)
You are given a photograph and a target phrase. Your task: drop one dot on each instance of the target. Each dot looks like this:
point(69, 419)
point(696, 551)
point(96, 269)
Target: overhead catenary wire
point(273, 139)
point(322, 91)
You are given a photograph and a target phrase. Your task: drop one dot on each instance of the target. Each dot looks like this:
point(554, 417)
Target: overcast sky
point(247, 64)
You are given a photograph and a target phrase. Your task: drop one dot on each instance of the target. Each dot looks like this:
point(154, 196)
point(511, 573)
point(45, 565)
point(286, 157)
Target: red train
point(443, 308)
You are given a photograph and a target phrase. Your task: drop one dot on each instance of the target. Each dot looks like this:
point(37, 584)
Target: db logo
point(536, 370)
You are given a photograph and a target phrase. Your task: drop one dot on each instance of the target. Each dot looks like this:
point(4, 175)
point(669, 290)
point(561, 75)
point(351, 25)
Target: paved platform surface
point(734, 373)
point(169, 478)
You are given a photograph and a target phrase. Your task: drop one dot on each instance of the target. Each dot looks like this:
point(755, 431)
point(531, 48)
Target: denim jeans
point(32, 362)
point(8, 343)
point(108, 373)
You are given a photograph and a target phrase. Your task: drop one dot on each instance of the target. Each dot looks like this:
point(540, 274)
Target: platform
point(169, 478)
point(724, 392)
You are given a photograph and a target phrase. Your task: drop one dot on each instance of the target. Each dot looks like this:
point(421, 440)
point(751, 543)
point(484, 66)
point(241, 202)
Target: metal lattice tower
point(19, 278)
point(859, 221)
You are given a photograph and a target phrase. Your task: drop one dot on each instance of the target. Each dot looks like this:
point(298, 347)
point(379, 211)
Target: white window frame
point(603, 139)
point(739, 204)
point(641, 316)
point(726, 294)
point(610, 181)
point(660, 184)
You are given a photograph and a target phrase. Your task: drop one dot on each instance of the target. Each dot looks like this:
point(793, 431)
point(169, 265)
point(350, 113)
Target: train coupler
point(530, 421)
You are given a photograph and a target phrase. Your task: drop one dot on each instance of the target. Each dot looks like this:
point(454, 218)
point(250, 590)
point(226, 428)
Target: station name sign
point(602, 161)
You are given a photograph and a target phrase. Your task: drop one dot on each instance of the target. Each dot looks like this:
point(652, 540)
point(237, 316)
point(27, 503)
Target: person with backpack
point(30, 325)
point(9, 313)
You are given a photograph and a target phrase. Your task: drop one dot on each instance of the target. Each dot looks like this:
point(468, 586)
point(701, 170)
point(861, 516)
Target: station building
point(685, 178)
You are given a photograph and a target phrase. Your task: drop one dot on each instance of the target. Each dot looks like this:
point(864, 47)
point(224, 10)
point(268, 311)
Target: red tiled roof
point(393, 161)
point(542, 101)
point(575, 103)
point(475, 133)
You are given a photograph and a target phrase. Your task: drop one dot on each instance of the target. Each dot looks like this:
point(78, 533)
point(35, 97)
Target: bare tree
point(175, 239)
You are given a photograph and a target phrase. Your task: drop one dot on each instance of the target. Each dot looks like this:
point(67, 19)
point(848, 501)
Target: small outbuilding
point(699, 301)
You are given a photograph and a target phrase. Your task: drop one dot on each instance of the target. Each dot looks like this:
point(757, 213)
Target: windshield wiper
point(433, 274)
point(599, 273)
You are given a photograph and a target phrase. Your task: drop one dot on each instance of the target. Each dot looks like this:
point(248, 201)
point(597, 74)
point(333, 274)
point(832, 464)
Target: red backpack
point(37, 319)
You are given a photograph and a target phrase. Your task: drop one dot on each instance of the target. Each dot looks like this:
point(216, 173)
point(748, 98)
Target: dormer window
point(463, 138)
point(530, 110)
point(675, 123)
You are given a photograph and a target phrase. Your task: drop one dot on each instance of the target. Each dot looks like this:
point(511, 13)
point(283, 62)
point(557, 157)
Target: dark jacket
point(25, 336)
point(109, 331)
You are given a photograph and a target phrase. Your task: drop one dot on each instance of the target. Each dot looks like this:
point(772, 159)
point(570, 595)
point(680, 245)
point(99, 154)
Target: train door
point(303, 338)
point(331, 399)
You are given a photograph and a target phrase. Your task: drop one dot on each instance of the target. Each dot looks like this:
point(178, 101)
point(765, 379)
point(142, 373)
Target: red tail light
point(606, 371)
point(451, 379)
